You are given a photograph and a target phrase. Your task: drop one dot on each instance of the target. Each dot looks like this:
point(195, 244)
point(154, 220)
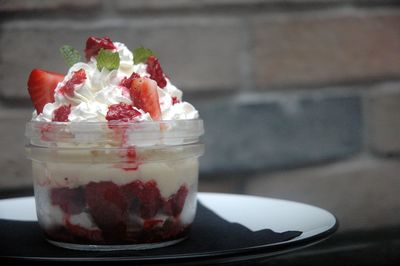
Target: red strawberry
point(127, 82)
point(150, 200)
point(70, 200)
point(174, 204)
point(121, 112)
point(41, 86)
point(155, 71)
point(133, 190)
point(77, 78)
point(175, 100)
point(108, 207)
point(144, 96)
point(94, 44)
point(61, 113)
point(143, 197)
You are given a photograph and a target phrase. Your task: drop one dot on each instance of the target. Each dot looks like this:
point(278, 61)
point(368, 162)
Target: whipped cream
point(91, 99)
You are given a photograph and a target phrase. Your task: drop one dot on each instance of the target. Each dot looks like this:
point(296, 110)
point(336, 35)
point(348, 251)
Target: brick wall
point(297, 96)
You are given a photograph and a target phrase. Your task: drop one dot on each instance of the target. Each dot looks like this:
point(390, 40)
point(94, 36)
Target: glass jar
point(113, 186)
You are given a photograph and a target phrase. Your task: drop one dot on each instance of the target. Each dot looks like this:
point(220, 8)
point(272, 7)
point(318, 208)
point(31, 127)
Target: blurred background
point(300, 98)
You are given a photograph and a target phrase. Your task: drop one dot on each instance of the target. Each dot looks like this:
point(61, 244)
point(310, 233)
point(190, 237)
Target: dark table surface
point(373, 247)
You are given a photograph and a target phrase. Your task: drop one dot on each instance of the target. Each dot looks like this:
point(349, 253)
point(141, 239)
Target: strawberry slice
point(41, 86)
point(144, 96)
point(108, 207)
point(94, 44)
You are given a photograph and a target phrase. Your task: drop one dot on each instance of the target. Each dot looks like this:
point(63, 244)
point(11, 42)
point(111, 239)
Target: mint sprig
point(107, 59)
point(141, 54)
point(70, 54)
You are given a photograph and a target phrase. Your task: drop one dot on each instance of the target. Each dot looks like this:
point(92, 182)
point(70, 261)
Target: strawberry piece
point(175, 100)
point(143, 197)
point(93, 235)
point(150, 200)
point(174, 204)
point(41, 86)
point(133, 190)
point(77, 78)
point(155, 71)
point(121, 112)
point(144, 96)
point(127, 82)
point(94, 44)
point(61, 113)
point(108, 207)
point(70, 200)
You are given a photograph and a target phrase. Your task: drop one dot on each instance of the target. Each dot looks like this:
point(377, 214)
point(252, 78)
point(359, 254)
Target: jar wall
point(123, 203)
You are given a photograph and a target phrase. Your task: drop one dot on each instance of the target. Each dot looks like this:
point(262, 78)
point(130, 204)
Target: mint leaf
point(141, 54)
point(107, 59)
point(70, 54)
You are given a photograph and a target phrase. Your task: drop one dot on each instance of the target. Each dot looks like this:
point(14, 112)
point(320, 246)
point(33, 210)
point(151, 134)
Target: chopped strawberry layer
point(115, 210)
point(155, 71)
point(94, 44)
point(121, 112)
point(61, 113)
point(77, 78)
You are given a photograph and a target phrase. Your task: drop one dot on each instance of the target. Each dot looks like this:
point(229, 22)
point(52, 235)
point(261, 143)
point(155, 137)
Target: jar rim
point(120, 134)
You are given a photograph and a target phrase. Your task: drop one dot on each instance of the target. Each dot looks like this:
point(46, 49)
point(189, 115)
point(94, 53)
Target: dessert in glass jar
point(114, 151)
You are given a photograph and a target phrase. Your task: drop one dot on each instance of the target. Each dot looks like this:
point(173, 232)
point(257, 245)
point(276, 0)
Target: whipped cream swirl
point(91, 99)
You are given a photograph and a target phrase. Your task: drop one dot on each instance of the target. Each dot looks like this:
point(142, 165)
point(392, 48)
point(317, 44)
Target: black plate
point(212, 239)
